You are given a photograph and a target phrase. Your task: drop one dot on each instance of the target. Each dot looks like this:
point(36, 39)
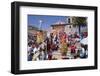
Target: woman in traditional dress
point(40, 38)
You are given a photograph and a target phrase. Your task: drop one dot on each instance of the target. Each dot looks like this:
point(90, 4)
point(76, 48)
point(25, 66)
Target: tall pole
point(40, 24)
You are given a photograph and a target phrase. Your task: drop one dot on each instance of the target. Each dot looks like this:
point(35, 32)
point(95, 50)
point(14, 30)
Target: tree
point(80, 21)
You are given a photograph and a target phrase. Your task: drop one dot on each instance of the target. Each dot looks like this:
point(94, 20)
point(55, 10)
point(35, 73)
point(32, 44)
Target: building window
point(68, 20)
point(70, 26)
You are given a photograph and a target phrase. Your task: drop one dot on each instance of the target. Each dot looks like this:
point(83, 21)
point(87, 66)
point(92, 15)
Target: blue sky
point(47, 21)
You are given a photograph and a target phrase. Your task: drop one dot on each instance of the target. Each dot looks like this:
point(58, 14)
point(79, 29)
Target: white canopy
point(84, 41)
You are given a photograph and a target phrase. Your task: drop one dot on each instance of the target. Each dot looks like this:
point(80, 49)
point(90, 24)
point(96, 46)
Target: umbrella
point(84, 41)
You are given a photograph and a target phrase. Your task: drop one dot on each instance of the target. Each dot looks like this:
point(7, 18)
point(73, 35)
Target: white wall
point(5, 41)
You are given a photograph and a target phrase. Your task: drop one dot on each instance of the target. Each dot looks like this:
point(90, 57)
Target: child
point(73, 50)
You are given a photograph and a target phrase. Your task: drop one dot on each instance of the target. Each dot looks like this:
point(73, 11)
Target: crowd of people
point(55, 46)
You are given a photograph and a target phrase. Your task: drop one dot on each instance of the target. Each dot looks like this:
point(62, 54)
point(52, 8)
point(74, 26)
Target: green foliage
point(77, 21)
